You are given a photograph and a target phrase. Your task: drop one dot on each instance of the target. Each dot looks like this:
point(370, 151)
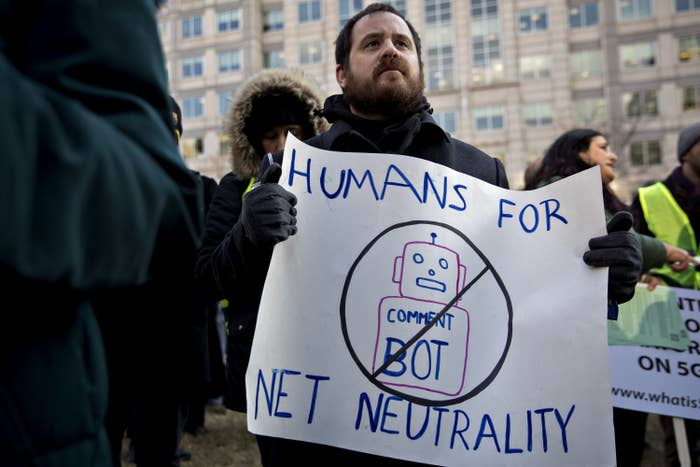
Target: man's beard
point(397, 100)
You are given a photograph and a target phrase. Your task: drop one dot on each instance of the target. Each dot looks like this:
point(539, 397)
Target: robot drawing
point(429, 275)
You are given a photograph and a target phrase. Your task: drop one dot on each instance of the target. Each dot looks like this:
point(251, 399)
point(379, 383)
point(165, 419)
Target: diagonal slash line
point(427, 327)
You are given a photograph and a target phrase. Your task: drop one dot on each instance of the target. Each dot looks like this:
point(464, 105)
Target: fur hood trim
point(246, 162)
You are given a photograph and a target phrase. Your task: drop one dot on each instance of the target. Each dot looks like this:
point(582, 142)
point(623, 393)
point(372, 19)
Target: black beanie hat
point(271, 110)
point(687, 139)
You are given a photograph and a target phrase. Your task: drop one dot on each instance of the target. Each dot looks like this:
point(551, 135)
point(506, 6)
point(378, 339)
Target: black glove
point(268, 215)
point(621, 251)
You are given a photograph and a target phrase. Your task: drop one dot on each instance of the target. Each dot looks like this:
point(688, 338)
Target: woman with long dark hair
point(580, 149)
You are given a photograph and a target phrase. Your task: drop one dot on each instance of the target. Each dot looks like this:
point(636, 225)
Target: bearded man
point(383, 110)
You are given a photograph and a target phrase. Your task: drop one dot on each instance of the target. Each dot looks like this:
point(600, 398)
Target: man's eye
point(372, 43)
point(402, 44)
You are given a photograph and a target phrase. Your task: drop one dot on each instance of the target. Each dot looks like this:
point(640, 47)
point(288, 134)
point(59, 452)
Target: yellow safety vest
point(251, 185)
point(670, 224)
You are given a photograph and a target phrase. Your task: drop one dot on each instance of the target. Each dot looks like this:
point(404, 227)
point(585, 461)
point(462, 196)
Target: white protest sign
point(658, 380)
point(513, 371)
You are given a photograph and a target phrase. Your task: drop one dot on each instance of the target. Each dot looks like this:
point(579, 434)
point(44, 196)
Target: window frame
point(270, 26)
point(308, 8)
point(190, 105)
point(532, 27)
point(584, 12)
point(197, 27)
point(490, 114)
point(635, 15)
point(196, 62)
point(644, 145)
point(229, 65)
point(229, 27)
point(542, 120)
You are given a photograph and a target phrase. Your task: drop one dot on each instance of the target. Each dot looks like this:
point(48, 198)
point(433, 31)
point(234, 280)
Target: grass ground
point(229, 444)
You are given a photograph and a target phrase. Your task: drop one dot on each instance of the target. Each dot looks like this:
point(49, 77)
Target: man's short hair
point(343, 42)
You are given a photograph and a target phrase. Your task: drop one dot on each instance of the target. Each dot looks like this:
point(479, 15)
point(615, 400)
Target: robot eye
point(443, 263)
point(417, 258)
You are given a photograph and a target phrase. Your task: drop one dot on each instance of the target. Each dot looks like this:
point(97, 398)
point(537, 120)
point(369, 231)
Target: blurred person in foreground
point(670, 211)
point(156, 343)
point(96, 200)
point(382, 110)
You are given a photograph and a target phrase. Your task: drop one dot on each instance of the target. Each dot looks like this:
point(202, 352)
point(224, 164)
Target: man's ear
point(585, 156)
point(340, 76)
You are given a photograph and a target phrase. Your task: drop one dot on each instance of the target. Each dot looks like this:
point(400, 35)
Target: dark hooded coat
point(91, 182)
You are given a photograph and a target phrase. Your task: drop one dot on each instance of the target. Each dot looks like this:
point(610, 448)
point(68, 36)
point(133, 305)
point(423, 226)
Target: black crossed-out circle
point(489, 269)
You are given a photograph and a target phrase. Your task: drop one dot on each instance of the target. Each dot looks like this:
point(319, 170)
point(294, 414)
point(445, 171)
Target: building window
point(192, 107)
point(347, 9)
point(400, 5)
point(273, 58)
point(645, 153)
point(689, 48)
point(192, 147)
point(589, 112)
point(586, 63)
point(537, 114)
point(225, 99)
point(191, 27)
point(533, 19)
point(273, 20)
point(639, 55)
point(192, 67)
point(687, 5)
point(447, 120)
point(491, 117)
point(229, 60)
point(440, 65)
point(640, 103)
point(437, 12)
point(310, 52)
point(630, 10)
point(583, 15)
point(486, 8)
point(535, 66)
point(691, 98)
point(309, 11)
point(229, 20)
point(486, 52)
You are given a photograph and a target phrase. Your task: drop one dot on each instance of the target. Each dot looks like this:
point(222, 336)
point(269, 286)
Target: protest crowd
point(143, 278)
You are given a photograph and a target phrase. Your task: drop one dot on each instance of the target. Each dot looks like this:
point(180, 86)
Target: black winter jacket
point(229, 266)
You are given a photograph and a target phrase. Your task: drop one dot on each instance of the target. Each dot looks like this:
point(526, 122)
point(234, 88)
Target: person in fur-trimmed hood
point(267, 106)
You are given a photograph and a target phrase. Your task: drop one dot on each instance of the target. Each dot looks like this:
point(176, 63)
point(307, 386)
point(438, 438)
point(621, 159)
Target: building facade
point(507, 76)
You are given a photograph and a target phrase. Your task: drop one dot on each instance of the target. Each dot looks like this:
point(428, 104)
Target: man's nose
point(389, 48)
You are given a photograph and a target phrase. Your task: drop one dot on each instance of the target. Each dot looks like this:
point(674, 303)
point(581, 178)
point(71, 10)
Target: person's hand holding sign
point(268, 215)
point(621, 251)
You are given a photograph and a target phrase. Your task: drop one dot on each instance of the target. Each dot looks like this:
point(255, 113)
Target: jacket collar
point(397, 133)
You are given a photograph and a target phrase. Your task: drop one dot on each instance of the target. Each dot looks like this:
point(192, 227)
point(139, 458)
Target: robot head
point(427, 271)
